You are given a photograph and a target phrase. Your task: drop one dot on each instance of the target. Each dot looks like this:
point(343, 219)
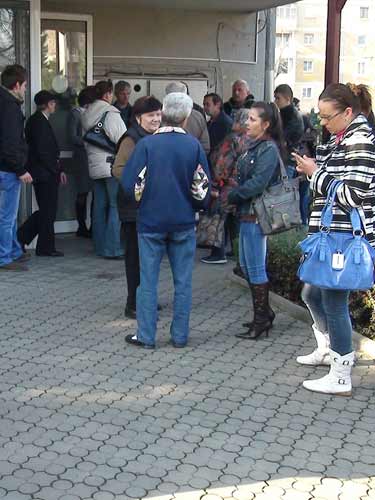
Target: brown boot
point(262, 313)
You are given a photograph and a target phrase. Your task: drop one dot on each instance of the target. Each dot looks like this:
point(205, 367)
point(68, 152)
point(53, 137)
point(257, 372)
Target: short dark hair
point(122, 85)
point(12, 75)
point(87, 96)
point(146, 104)
point(216, 99)
point(103, 87)
point(285, 90)
point(342, 96)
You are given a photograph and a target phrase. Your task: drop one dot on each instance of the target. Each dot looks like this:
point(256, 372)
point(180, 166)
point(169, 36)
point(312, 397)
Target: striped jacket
point(352, 160)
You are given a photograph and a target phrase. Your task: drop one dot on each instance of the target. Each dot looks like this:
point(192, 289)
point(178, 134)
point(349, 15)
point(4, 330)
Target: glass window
point(362, 40)
point(285, 65)
point(308, 38)
point(307, 92)
point(64, 70)
point(361, 68)
point(307, 66)
point(363, 12)
point(283, 40)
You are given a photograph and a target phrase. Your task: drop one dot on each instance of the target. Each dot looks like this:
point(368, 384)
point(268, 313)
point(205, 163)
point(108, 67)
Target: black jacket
point(231, 107)
point(12, 138)
point(43, 156)
point(218, 129)
point(293, 127)
point(127, 209)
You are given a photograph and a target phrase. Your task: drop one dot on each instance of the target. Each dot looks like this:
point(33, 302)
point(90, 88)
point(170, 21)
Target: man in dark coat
point(122, 93)
point(220, 124)
point(241, 98)
point(43, 163)
point(291, 118)
point(12, 165)
point(294, 129)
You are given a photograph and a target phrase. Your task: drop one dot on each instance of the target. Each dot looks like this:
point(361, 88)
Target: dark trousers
point(41, 222)
point(131, 261)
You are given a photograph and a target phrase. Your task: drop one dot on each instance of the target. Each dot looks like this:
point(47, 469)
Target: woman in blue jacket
point(256, 170)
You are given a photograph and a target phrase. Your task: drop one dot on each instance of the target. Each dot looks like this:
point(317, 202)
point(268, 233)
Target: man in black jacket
point(241, 98)
point(294, 129)
point(43, 163)
point(292, 122)
point(12, 164)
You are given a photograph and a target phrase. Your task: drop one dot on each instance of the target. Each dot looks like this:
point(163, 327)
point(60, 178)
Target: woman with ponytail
point(349, 156)
point(257, 168)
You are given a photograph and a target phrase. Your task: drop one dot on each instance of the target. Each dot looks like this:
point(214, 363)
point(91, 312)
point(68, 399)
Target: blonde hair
point(362, 92)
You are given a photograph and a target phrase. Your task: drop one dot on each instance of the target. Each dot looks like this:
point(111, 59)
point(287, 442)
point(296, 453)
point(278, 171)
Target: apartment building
point(301, 44)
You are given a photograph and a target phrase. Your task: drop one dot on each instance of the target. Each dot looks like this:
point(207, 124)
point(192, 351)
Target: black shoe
point(25, 257)
point(177, 345)
point(130, 312)
point(132, 339)
point(271, 316)
point(14, 266)
point(262, 312)
point(55, 253)
point(211, 259)
point(230, 254)
point(256, 331)
point(114, 257)
point(83, 232)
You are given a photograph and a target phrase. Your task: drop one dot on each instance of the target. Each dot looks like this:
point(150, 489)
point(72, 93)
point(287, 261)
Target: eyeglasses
point(330, 118)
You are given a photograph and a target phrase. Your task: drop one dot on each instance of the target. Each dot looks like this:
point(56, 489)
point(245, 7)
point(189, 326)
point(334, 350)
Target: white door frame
point(71, 225)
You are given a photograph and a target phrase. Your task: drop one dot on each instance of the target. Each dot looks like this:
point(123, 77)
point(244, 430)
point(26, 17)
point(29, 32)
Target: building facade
point(301, 42)
point(69, 44)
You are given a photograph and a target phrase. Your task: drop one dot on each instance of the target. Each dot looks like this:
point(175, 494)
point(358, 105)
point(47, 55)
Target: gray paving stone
point(83, 416)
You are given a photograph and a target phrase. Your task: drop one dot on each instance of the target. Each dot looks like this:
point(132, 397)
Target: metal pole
point(332, 69)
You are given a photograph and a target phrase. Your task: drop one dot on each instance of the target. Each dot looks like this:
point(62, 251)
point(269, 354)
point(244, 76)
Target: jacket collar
point(248, 101)
point(288, 112)
point(360, 123)
point(10, 95)
point(164, 130)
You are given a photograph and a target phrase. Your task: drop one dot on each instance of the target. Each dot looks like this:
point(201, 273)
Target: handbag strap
point(284, 174)
point(327, 212)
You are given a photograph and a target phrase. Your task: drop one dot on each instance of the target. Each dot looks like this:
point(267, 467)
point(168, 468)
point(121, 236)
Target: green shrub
point(283, 261)
point(282, 265)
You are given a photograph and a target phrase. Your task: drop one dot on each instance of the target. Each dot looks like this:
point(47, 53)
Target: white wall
point(136, 41)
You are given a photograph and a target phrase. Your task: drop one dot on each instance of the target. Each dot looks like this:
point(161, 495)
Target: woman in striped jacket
point(348, 156)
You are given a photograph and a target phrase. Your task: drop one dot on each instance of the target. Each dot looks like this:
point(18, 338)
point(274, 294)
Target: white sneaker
point(321, 354)
point(338, 381)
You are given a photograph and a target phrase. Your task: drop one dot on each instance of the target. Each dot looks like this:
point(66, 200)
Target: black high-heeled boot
point(262, 321)
point(271, 316)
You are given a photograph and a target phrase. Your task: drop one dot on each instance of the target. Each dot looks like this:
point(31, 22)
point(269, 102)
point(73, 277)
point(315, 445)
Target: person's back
point(171, 158)
point(168, 175)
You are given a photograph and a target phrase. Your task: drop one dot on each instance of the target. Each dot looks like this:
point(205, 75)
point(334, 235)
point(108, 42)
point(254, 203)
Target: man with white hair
point(168, 176)
point(196, 124)
point(241, 98)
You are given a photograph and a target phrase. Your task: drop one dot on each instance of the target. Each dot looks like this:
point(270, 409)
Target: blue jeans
point(106, 224)
point(180, 248)
point(330, 311)
point(253, 251)
point(10, 188)
point(304, 201)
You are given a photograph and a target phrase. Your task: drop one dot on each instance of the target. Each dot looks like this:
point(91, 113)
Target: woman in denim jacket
point(256, 170)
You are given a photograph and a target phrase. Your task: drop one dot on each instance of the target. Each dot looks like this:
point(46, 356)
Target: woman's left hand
point(305, 165)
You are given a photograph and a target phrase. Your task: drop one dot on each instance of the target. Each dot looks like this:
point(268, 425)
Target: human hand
point(305, 165)
point(26, 178)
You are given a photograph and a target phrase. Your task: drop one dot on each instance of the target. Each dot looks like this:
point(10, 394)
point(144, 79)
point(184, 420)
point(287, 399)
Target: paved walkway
point(84, 416)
